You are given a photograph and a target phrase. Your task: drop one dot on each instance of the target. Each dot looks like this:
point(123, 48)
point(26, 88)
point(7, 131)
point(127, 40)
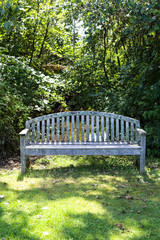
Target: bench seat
point(83, 149)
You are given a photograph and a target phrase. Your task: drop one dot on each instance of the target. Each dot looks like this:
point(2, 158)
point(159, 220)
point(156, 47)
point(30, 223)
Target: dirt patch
point(13, 163)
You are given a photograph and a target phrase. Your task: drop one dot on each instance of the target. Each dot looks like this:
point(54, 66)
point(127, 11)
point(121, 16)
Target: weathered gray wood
point(87, 128)
point(117, 130)
point(57, 125)
point(38, 131)
point(83, 149)
point(102, 128)
point(132, 132)
point(63, 130)
point(92, 128)
point(141, 132)
point(72, 128)
point(67, 129)
point(48, 130)
point(143, 153)
point(77, 128)
point(122, 130)
point(83, 113)
point(127, 131)
point(82, 128)
point(43, 130)
point(33, 132)
point(112, 129)
point(53, 129)
point(22, 153)
point(94, 147)
point(97, 128)
point(107, 129)
point(24, 132)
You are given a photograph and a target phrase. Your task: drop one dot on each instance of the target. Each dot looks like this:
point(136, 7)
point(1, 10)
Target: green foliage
point(106, 53)
point(24, 93)
point(118, 66)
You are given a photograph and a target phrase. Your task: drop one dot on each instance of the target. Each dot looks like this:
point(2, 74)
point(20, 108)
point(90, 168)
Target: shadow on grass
point(89, 165)
point(15, 229)
point(116, 214)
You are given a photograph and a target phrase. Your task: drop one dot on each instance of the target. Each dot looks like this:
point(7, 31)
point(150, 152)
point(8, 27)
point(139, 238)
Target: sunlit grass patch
point(76, 198)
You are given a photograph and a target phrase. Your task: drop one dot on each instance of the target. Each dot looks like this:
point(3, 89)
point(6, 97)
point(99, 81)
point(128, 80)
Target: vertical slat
point(102, 129)
point(28, 135)
point(122, 130)
point(57, 137)
point(112, 129)
point(87, 128)
point(33, 132)
point(67, 130)
point(48, 130)
point(63, 130)
point(38, 131)
point(43, 130)
point(97, 128)
point(92, 128)
point(137, 135)
point(107, 129)
point(132, 132)
point(53, 129)
point(72, 128)
point(127, 131)
point(77, 128)
point(82, 128)
point(117, 129)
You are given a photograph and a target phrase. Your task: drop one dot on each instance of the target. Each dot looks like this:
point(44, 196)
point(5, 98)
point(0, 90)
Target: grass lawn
point(81, 198)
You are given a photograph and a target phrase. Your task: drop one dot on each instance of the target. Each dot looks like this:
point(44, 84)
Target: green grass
point(81, 198)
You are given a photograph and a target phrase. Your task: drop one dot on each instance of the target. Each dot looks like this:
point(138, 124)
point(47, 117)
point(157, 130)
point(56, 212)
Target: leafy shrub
point(24, 93)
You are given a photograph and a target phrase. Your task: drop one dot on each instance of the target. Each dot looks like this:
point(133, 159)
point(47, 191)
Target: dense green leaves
point(24, 93)
point(105, 54)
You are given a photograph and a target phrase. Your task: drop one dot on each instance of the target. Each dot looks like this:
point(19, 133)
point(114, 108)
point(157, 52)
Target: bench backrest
point(82, 126)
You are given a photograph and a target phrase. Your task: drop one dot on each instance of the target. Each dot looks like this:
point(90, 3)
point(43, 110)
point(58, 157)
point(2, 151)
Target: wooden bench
point(83, 133)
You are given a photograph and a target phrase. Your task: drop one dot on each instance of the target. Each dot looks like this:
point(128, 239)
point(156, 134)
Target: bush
point(24, 93)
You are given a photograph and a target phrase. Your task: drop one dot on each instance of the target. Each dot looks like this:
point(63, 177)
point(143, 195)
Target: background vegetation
point(79, 54)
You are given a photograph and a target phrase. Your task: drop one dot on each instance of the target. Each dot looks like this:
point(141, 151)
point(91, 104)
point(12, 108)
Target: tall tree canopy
point(99, 55)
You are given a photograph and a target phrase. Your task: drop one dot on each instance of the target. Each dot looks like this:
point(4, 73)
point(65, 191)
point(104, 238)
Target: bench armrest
point(24, 132)
point(141, 132)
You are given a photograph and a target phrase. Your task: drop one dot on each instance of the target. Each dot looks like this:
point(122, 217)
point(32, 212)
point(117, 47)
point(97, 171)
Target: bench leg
point(22, 155)
point(23, 163)
point(142, 163)
point(143, 154)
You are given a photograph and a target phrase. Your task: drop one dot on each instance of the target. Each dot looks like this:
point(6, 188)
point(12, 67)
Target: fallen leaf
point(151, 193)
point(120, 226)
point(129, 197)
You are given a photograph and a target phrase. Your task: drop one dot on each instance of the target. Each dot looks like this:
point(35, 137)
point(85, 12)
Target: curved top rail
point(83, 113)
